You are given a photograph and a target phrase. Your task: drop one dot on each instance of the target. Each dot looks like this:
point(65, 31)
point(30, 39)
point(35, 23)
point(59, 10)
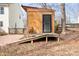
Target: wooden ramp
point(32, 37)
point(38, 36)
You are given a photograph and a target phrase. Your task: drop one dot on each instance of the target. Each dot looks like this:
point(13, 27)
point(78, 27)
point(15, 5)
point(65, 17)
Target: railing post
point(46, 39)
point(32, 42)
point(58, 39)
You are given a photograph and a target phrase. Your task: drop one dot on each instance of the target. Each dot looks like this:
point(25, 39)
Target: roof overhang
point(37, 9)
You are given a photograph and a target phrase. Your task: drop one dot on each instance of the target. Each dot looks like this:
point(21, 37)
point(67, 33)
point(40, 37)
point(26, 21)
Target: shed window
point(1, 10)
point(1, 23)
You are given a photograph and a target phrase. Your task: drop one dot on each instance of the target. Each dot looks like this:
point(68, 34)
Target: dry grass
point(53, 48)
point(41, 49)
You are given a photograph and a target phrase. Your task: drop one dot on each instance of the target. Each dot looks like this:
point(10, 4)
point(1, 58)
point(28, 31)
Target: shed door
point(47, 23)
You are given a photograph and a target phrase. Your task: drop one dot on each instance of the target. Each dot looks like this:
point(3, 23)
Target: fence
point(16, 30)
point(76, 25)
point(72, 27)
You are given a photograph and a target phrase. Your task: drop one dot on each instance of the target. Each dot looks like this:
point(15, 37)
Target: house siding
point(12, 14)
point(14, 20)
point(5, 19)
point(35, 21)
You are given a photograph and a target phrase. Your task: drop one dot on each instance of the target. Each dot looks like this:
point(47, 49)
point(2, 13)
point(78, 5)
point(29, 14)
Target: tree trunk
point(63, 17)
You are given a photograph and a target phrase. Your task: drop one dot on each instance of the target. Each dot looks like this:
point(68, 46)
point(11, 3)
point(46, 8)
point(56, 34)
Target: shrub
point(32, 31)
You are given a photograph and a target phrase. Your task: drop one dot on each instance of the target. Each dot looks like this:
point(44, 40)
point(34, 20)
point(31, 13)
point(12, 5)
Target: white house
point(10, 17)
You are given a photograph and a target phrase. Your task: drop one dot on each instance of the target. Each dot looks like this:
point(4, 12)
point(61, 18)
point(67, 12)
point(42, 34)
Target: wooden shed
point(39, 20)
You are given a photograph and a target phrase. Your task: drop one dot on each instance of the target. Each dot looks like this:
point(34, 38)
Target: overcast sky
point(72, 10)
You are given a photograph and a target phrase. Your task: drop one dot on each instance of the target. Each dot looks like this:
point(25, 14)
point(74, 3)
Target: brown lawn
point(69, 47)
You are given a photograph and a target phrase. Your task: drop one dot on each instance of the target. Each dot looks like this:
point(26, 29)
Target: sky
point(72, 11)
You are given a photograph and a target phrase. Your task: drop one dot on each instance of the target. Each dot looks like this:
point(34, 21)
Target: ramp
point(32, 37)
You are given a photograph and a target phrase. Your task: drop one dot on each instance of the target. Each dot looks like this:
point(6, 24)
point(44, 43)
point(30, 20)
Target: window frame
point(1, 23)
point(1, 10)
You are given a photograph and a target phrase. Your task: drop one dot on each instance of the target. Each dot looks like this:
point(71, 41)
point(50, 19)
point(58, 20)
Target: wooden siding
point(35, 19)
point(35, 22)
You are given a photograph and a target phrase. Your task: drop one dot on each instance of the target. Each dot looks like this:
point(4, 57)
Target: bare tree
point(45, 5)
point(63, 17)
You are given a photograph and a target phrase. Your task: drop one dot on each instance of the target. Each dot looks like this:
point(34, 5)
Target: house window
point(1, 23)
point(1, 10)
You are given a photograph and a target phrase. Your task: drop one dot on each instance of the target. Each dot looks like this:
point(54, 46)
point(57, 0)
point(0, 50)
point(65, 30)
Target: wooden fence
point(76, 25)
point(71, 27)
